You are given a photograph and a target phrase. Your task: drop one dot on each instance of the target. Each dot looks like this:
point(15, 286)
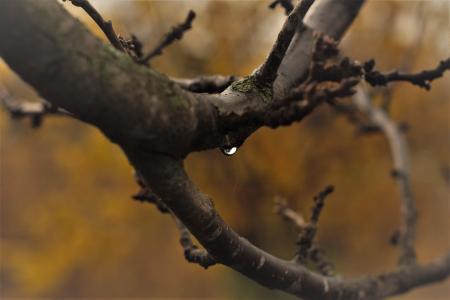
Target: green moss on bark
point(251, 85)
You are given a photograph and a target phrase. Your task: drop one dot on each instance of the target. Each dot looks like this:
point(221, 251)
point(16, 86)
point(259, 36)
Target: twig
point(319, 258)
point(33, 110)
point(319, 202)
point(306, 237)
point(145, 194)
point(191, 252)
point(267, 72)
point(288, 214)
point(175, 34)
point(105, 26)
point(422, 79)
point(312, 96)
point(306, 247)
point(286, 4)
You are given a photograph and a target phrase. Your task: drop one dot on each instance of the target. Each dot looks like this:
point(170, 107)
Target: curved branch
point(197, 212)
point(400, 158)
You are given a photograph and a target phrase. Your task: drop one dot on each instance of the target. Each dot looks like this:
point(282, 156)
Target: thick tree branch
point(197, 212)
point(329, 17)
point(242, 100)
point(66, 63)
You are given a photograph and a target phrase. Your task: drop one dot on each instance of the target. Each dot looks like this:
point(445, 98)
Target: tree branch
point(268, 70)
point(329, 17)
point(70, 64)
point(175, 34)
point(288, 214)
point(191, 251)
point(33, 110)
point(197, 212)
point(105, 26)
point(400, 157)
point(422, 79)
point(308, 232)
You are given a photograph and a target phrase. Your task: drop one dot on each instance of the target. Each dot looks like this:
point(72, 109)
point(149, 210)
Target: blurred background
point(70, 229)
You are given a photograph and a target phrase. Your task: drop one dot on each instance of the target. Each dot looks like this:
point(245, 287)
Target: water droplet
point(229, 150)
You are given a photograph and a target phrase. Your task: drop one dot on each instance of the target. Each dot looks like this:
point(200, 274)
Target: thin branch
point(324, 266)
point(422, 79)
point(286, 4)
point(288, 214)
point(105, 26)
point(314, 96)
point(33, 110)
point(401, 173)
point(191, 252)
point(145, 194)
point(319, 202)
point(313, 253)
point(308, 233)
point(267, 72)
point(175, 34)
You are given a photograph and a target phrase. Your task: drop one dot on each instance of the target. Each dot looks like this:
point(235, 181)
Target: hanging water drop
point(229, 150)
